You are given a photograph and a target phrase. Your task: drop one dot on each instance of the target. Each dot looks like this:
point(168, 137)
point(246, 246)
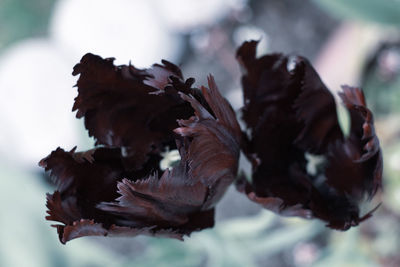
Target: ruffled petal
point(130, 108)
point(289, 112)
point(99, 192)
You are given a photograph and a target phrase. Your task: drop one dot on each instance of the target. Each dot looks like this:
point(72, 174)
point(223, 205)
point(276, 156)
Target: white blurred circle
point(250, 32)
point(36, 101)
point(124, 29)
point(185, 15)
point(235, 98)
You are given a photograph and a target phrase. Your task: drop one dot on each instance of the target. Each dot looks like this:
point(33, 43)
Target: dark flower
point(289, 113)
point(135, 115)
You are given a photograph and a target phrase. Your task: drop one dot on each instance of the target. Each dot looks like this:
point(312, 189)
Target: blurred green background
point(350, 42)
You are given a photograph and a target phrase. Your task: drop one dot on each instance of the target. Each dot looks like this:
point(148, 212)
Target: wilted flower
point(138, 115)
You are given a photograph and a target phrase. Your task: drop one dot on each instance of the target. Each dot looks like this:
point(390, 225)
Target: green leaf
point(382, 11)
point(23, 18)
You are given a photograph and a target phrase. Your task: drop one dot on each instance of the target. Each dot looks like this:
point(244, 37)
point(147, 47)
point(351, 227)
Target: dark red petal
point(208, 166)
point(160, 75)
point(157, 201)
point(84, 227)
point(289, 112)
point(85, 170)
point(215, 146)
point(355, 165)
point(65, 211)
point(177, 203)
point(90, 228)
point(129, 108)
point(274, 204)
point(83, 180)
point(316, 108)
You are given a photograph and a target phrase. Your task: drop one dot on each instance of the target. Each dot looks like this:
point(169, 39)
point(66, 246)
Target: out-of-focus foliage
point(237, 242)
point(382, 11)
point(25, 240)
point(344, 250)
point(381, 80)
point(23, 18)
point(384, 95)
point(392, 194)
